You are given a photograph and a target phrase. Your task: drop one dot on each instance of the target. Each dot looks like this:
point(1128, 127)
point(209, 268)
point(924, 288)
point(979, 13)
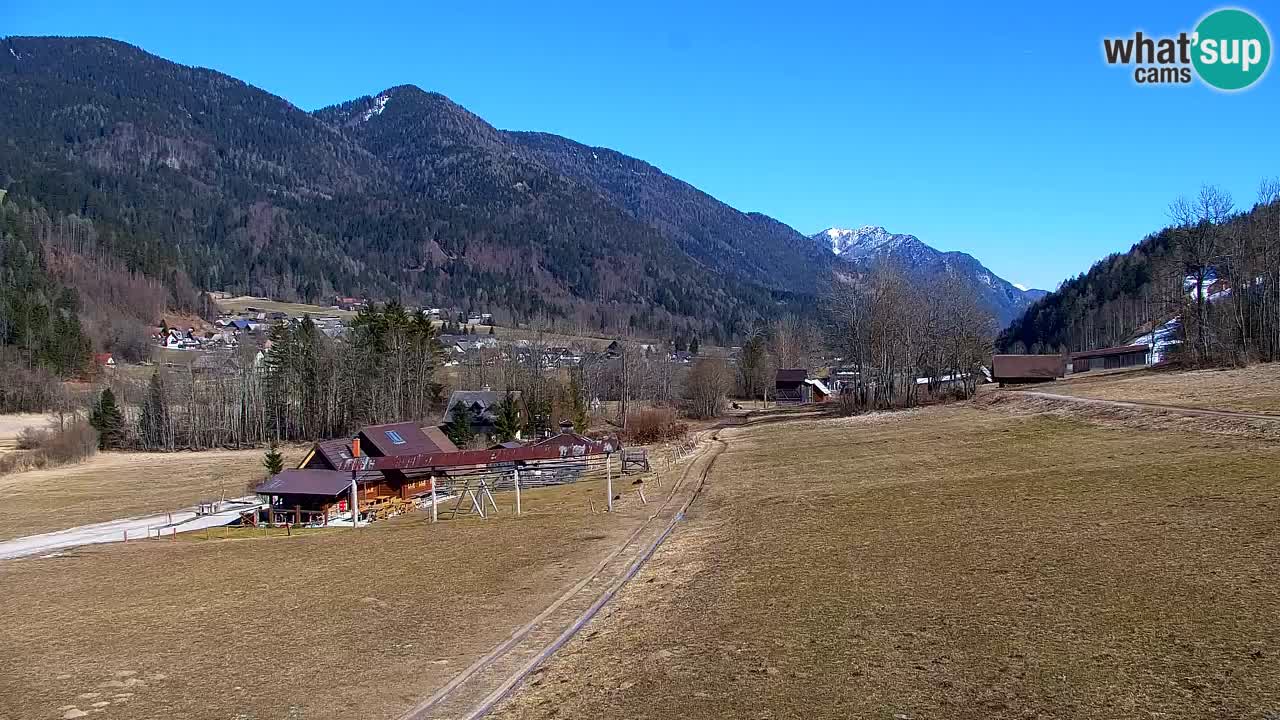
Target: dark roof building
point(1019, 369)
point(483, 403)
point(1110, 358)
point(790, 386)
point(326, 483)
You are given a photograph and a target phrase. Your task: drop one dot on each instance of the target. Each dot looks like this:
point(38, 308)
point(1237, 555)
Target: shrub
point(53, 446)
point(653, 425)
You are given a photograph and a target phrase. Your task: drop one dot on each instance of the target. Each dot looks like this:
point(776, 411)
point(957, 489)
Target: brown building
point(1023, 369)
point(1110, 358)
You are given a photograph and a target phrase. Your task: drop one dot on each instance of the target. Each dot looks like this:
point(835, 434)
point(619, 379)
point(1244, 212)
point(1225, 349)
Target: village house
point(483, 405)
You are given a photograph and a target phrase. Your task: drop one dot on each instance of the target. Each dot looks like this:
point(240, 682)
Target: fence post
point(516, 473)
point(608, 475)
point(433, 498)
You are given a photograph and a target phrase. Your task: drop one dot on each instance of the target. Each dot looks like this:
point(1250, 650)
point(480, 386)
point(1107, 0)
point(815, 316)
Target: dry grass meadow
point(322, 624)
point(1000, 559)
point(1255, 389)
point(115, 485)
point(953, 562)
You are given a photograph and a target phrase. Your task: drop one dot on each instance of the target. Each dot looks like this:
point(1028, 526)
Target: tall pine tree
point(107, 420)
point(459, 426)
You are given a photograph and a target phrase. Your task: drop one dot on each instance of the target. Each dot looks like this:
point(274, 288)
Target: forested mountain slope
point(1215, 270)
point(750, 246)
point(203, 181)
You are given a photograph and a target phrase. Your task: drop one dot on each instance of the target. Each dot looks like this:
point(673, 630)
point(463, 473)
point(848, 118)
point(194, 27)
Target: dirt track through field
point(478, 688)
point(1133, 404)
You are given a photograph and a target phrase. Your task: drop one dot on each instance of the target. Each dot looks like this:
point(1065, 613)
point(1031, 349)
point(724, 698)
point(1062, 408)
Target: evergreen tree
point(272, 460)
point(490, 329)
point(154, 426)
point(459, 426)
point(107, 420)
point(508, 424)
point(693, 346)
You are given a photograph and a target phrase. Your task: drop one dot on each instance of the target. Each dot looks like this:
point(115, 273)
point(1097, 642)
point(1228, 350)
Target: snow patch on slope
point(379, 104)
point(1021, 287)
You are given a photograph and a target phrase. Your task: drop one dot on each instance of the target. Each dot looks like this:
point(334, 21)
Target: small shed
point(1024, 369)
point(790, 386)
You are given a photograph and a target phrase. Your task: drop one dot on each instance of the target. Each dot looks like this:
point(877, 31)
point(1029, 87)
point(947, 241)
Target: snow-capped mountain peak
point(866, 240)
point(872, 243)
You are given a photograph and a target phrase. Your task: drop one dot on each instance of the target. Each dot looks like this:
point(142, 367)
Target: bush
point(53, 446)
point(653, 425)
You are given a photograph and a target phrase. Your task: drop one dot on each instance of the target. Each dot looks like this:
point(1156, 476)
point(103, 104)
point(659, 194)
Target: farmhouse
point(483, 405)
point(399, 464)
point(1110, 358)
point(1024, 369)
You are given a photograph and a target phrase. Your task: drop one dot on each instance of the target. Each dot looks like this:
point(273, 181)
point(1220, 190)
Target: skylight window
point(395, 437)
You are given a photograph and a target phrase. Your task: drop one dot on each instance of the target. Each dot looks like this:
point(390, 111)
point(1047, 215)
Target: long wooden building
point(400, 462)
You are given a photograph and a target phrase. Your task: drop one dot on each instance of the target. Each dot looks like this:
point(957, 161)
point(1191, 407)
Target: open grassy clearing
point(11, 425)
point(953, 562)
point(237, 304)
point(116, 485)
point(324, 624)
point(1253, 389)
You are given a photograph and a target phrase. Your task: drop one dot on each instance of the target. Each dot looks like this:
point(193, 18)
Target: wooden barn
point(1111, 358)
point(1025, 369)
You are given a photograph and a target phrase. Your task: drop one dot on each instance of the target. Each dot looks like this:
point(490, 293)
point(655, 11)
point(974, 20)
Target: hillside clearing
point(952, 562)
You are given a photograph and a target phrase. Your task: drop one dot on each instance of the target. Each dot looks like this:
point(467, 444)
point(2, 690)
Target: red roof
point(566, 448)
point(102, 358)
point(403, 438)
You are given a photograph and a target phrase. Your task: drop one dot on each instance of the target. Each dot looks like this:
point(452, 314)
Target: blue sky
point(998, 130)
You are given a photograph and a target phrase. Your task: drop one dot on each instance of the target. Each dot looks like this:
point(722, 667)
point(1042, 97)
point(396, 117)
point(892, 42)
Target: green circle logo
point(1232, 49)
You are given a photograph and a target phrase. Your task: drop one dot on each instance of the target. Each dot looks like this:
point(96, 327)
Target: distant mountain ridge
point(872, 242)
point(188, 173)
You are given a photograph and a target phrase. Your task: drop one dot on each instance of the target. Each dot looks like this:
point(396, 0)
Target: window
point(395, 437)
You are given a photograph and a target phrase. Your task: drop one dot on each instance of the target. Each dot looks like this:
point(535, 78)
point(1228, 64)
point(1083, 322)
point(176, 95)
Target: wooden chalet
point(398, 465)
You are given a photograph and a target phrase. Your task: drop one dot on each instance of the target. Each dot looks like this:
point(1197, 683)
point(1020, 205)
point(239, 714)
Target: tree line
point(1214, 270)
